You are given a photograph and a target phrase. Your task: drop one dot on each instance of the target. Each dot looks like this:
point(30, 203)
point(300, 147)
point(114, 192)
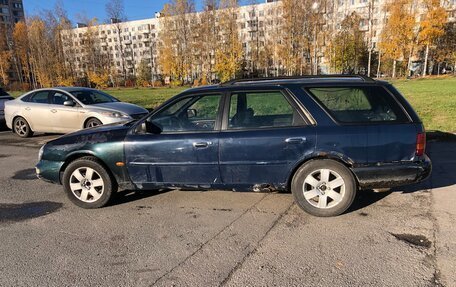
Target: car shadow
point(126, 196)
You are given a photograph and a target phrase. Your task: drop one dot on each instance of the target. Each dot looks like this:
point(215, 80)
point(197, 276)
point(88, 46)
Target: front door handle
point(27, 109)
point(201, 144)
point(296, 140)
point(54, 111)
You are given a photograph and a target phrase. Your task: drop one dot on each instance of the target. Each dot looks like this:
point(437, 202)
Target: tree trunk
point(438, 69)
point(394, 69)
point(425, 60)
point(369, 63)
point(379, 62)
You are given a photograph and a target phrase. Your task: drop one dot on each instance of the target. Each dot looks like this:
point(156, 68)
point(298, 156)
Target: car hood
point(127, 108)
point(102, 133)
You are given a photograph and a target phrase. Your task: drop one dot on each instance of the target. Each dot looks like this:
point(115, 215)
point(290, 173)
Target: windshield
point(93, 97)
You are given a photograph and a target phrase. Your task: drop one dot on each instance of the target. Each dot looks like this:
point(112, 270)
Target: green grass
point(146, 97)
point(434, 99)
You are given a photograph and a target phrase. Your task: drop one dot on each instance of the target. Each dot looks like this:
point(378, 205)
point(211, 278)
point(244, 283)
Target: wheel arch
point(88, 119)
point(346, 161)
point(80, 154)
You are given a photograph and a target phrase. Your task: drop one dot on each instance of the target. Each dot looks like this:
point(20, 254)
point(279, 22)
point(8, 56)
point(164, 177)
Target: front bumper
point(393, 174)
point(49, 170)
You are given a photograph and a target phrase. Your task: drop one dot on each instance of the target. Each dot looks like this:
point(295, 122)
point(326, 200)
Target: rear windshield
point(359, 104)
point(92, 97)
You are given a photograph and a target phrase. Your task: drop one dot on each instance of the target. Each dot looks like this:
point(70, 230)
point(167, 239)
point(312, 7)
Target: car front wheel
point(324, 187)
point(87, 183)
point(93, 122)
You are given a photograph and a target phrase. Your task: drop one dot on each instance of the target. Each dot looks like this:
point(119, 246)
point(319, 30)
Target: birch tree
point(229, 54)
point(431, 27)
point(398, 34)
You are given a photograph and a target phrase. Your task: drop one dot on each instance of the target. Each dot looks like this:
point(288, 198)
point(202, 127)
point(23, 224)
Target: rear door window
point(40, 97)
point(253, 110)
point(359, 104)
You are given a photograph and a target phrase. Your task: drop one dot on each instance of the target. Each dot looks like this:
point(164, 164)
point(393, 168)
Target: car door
point(184, 152)
point(65, 118)
point(264, 135)
point(37, 111)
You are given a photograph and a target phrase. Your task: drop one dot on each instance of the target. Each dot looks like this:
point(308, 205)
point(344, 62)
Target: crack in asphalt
point(209, 240)
point(254, 250)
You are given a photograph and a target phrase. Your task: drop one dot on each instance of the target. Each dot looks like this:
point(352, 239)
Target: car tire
point(22, 128)
point(92, 122)
point(87, 183)
point(324, 187)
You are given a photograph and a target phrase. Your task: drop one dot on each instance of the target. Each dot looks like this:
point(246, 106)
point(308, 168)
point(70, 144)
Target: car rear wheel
point(22, 128)
point(324, 187)
point(93, 122)
point(87, 183)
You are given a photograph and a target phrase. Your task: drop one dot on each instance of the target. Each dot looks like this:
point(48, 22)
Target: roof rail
point(235, 81)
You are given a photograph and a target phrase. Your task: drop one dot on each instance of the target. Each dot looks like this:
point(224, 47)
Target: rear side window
point(359, 104)
point(40, 97)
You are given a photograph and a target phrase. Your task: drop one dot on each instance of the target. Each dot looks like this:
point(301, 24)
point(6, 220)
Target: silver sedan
point(63, 110)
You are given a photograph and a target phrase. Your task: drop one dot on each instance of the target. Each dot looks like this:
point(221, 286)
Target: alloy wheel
point(20, 127)
point(324, 188)
point(86, 184)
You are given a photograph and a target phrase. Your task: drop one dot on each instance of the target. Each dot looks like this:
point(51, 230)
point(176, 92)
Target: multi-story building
point(124, 44)
point(11, 12)
point(127, 44)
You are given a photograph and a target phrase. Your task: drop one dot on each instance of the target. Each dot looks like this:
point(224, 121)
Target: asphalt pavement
point(219, 238)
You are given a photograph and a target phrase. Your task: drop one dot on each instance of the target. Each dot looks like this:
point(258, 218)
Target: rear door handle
point(53, 110)
point(27, 109)
point(201, 144)
point(296, 140)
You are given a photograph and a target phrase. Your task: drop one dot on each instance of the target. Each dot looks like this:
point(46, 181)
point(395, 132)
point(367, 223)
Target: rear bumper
point(394, 174)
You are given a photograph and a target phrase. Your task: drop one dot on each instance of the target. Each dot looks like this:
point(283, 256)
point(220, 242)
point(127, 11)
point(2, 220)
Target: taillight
point(420, 144)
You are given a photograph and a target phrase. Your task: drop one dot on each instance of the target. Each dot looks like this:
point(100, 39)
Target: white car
point(63, 110)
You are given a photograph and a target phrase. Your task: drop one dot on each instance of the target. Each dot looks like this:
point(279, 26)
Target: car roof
point(278, 81)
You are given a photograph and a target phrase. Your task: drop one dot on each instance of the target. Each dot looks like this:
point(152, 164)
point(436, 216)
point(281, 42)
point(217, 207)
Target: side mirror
point(69, 103)
point(152, 128)
point(191, 113)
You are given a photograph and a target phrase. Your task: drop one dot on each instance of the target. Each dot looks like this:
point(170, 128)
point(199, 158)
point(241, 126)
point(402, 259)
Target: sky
point(134, 9)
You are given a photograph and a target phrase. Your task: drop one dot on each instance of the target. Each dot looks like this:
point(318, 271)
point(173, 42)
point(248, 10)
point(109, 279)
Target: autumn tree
point(445, 50)
point(431, 27)
point(144, 73)
point(229, 54)
point(206, 40)
point(398, 34)
point(21, 44)
point(348, 45)
point(292, 48)
point(5, 56)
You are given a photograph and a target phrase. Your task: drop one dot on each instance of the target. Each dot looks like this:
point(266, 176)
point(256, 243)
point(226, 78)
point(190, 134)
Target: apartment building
point(11, 12)
point(127, 44)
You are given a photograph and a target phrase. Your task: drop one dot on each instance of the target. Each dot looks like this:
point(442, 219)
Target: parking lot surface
point(190, 238)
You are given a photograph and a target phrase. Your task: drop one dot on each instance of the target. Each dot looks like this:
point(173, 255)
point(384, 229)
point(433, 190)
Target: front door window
point(191, 114)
